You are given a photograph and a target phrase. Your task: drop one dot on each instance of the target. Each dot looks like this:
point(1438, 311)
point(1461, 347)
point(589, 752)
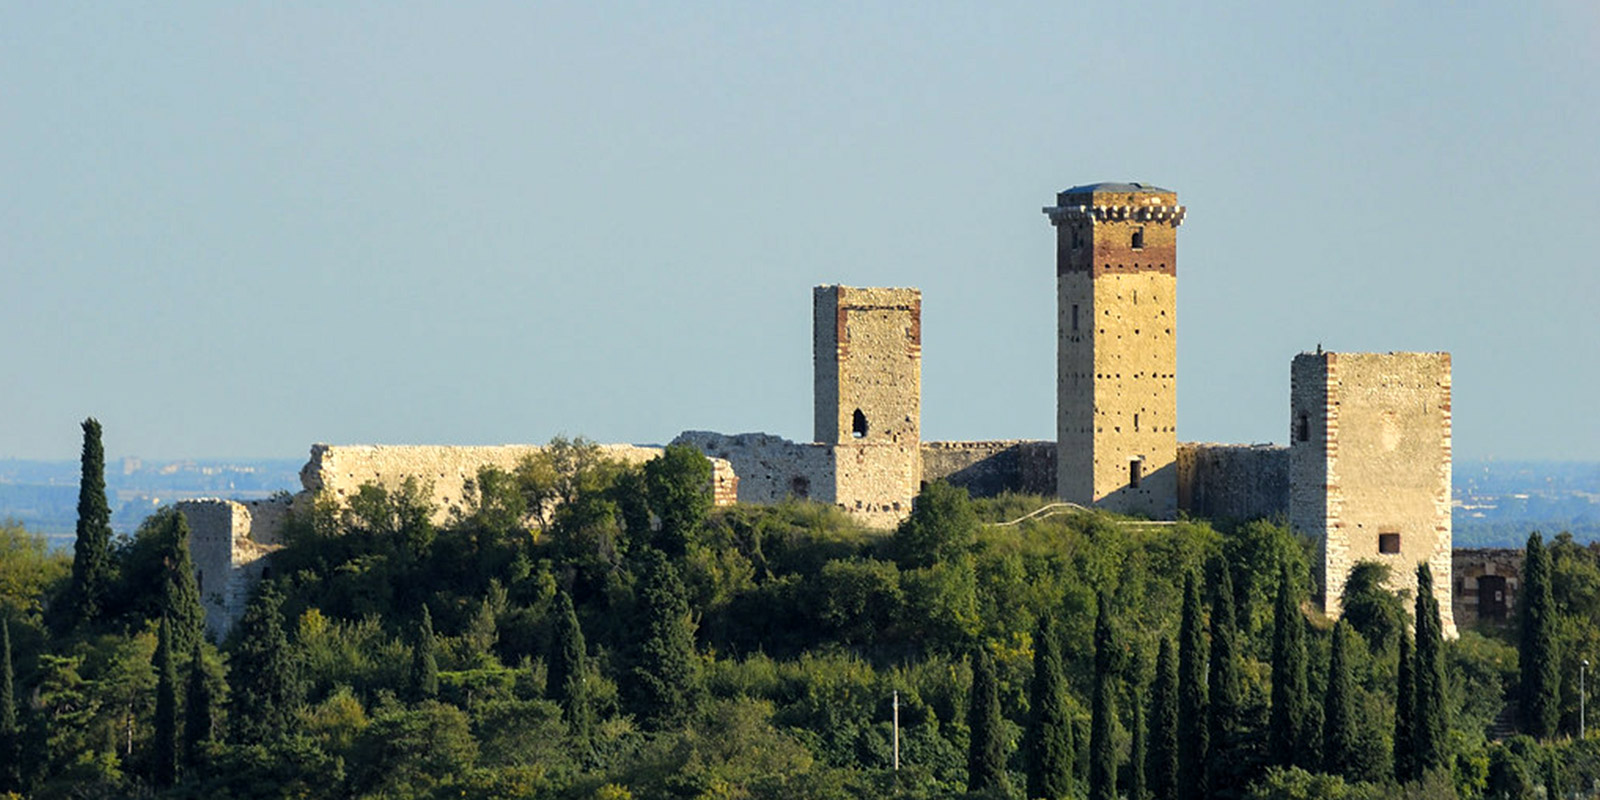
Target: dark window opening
point(1388, 543)
point(1302, 428)
point(800, 487)
point(1138, 239)
point(1135, 472)
point(200, 581)
point(1136, 422)
point(858, 426)
point(1074, 317)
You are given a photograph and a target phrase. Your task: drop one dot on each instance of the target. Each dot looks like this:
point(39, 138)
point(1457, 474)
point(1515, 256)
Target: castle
point(1366, 472)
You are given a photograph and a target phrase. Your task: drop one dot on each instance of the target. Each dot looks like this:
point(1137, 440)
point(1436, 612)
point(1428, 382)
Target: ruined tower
point(1369, 461)
point(868, 396)
point(1117, 355)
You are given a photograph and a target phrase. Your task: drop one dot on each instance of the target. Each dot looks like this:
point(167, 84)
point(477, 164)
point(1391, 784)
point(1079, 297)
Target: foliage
point(164, 768)
point(1102, 748)
point(1163, 768)
point(986, 751)
point(1286, 736)
point(1049, 742)
point(91, 557)
point(266, 679)
point(1429, 722)
point(664, 686)
point(1538, 693)
point(1193, 717)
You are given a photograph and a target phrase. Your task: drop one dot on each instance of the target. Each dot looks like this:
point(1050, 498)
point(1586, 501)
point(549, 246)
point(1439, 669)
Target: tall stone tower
point(867, 356)
point(1117, 355)
point(1369, 466)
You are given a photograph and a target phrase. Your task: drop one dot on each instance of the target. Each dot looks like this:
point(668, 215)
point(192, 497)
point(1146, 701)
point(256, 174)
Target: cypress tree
point(986, 757)
point(164, 772)
point(180, 595)
point(1138, 753)
point(1285, 732)
point(567, 682)
point(91, 557)
point(1540, 681)
point(1429, 721)
point(425, 660)
point(199, 718)
point(1223, 684)
point(1102, 748)
point(1193, 730)
point(267, 687)
point(1163, 767)
point(10, 736)
point(1049, 730)
point(1405, 710)
point(665, 685)
point(1340, 733)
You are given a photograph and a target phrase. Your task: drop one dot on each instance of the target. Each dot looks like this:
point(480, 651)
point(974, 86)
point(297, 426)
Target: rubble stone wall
point(1233, 481)
point(986, 469)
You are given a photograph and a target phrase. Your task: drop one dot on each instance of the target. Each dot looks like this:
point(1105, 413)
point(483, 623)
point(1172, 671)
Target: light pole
point(1583, 697)
point(897, 729)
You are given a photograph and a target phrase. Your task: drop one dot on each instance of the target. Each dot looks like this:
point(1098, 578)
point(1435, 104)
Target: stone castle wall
point(1487, 582)
point(1370, 465)
point(1233, 481)
point(986, 469)
point(229, 541)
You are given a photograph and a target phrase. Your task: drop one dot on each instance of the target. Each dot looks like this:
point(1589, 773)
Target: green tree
point(180, 595)
point(1049, 729)
point(1163, 766)
point(10, 738)
point(986, 755)
point(1373, 610)
point(1285, 732)
point(164, 771)
point(567, 681)
point(199, 715)
point(1102, 747)
point(1138, 750)
point(678, 485)
point(942, 527)
point(1223, 687)
point(91, 556)
point(1539, 685)
point(1405, 710)
point(1193, 721)
point(267, 686)
point(425, 659)
point(1430, 723)
point(1341, 730)
point(665, 685)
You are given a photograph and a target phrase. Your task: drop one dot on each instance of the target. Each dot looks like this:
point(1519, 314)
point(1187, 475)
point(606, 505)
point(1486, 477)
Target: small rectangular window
point(1135, 472)
point(1389, 543)
point(1138, 239)
point(1074, 317)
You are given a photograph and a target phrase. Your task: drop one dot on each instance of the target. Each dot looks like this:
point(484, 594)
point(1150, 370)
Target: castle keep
point(1366, 473)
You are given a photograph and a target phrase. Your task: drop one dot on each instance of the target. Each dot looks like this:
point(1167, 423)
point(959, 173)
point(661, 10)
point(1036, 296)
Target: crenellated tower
point(1117, 354)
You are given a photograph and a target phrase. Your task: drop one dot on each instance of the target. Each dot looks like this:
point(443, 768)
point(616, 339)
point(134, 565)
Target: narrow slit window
point(1136, 422)
point(1302, 428)
point(858, 425)
point(1389, 543)
point(1074, 317)
point(1135, 472)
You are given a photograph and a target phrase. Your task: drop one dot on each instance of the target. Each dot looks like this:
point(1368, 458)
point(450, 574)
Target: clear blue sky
point(234, 229)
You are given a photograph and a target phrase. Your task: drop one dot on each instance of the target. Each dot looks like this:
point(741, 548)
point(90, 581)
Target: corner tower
point(867, 355)
point(1117, 355)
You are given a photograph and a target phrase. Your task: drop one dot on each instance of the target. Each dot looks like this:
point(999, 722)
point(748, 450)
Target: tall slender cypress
point(199, 715)
point(1340, 733)
point(1405, 710)
point(425, 659)
point(1285, 732)
point(986, 757)
point(1540, 682)
point(567, 681)
point(1138, 752)
point(665, 687)
point(1049, 730)
point(10, 736)
point(91, 557)
point(1223, 684)
point(267, 687)
point(1430, 727)
point(1102, 748)
point(1163, 765)
point(1193, 722)
point(180, 594)
point(164, 770)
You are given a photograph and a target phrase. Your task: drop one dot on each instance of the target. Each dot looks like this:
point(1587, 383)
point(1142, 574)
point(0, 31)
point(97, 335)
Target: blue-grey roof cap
point(1090, 188)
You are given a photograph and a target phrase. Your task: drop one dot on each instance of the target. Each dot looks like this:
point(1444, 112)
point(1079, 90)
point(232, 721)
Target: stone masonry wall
point(1375, 428)
point(229, 542)
point(1233, 481)
point(769, 468)
point(1472, 594)
point(986, 469)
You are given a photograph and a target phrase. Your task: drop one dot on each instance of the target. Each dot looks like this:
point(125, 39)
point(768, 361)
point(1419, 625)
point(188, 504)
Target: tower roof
point(1112, 186)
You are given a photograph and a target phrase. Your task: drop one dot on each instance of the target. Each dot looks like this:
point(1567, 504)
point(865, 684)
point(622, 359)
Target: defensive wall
point(229, 541)
point(1233, 481)
point(986, 469)
point(1487, 581)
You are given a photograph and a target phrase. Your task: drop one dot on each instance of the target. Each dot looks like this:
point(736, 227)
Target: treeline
point(584, 629)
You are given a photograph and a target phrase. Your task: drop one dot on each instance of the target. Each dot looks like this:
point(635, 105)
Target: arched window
point(858, 425)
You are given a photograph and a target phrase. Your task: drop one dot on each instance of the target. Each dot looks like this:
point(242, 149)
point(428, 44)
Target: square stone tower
point(867, 356)
point(1369, 466)
point(1117, 353)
